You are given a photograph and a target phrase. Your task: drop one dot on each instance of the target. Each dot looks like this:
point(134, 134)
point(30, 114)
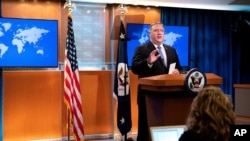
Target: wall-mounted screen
point(28, 43)
point(175, 36)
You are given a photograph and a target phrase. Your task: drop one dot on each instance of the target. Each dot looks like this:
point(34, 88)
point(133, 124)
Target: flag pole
point(125, 75)
point(123, 10)
point(68, 4)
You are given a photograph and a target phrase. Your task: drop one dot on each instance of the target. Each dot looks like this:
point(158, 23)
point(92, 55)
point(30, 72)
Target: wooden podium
point(167, 100)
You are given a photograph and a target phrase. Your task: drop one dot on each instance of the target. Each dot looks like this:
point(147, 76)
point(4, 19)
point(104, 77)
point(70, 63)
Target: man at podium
point(152, 58)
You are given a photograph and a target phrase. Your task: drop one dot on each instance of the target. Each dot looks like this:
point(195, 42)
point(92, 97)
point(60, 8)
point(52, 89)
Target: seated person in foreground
point(210, 117)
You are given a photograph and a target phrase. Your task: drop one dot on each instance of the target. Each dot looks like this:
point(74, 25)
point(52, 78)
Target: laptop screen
point(167, 133)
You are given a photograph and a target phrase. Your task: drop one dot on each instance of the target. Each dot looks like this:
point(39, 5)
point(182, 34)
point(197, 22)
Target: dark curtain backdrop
point(215, 44)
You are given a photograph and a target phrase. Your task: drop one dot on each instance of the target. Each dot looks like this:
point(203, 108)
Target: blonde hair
point(212, 114)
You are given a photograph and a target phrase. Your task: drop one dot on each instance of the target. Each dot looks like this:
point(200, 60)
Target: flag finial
point(70, 5)
point(123, 9)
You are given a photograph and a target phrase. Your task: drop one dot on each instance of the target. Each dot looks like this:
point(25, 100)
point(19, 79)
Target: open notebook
point(167, 133)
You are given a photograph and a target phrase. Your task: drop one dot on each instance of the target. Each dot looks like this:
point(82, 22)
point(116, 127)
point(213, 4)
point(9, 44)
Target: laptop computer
point(167, 133)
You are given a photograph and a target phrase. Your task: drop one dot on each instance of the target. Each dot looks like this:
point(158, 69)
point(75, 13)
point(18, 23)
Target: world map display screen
point(28, 43)
point(175, 36)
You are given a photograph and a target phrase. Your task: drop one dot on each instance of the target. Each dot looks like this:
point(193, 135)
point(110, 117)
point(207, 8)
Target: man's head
point(156, 33)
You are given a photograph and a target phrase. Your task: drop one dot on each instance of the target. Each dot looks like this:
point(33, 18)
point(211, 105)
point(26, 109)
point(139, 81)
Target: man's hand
point(153, 56)
point(176, 71)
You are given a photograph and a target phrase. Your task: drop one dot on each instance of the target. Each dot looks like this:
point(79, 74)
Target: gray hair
point(151, 25)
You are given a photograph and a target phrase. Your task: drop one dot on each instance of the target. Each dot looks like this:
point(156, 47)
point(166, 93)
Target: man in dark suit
point(153, 58)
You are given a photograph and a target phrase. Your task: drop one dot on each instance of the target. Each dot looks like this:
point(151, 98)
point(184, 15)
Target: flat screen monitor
point(28, 43)
point(175, 36)
point(167, 133)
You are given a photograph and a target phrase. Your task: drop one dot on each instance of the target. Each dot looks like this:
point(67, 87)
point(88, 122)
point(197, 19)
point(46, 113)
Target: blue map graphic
point(28, 43)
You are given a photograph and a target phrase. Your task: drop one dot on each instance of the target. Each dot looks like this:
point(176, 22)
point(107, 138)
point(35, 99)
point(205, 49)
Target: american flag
point(72, 92)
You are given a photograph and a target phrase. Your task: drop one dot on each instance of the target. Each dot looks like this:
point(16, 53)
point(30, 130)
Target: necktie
point(162, 56)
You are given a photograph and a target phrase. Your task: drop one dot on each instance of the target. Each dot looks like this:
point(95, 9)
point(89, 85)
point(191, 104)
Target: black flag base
point(130, 139)
point(124, 138)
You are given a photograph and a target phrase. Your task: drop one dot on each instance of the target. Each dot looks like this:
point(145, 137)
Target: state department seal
point(195, 81)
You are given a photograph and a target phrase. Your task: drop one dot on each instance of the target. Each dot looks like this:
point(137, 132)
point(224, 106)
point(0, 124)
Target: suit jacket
point(140, 65)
